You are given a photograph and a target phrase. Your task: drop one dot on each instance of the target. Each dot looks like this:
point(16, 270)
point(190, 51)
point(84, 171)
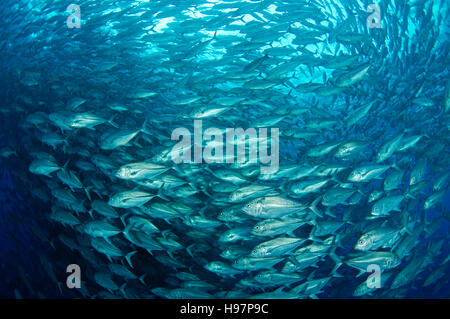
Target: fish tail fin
point(128, 257)
point(170, 253)
point(66, 143)
point(298, 290)
point(122, 219)
point(144, 128)
point(409, 227)
point(360, 191)
point(284, 187)
point(361, 272)
point(336, 180)
point(206, 193)
point(122, 290)
point(313, 238)
point(336, 259)
point(394, 166)
point(314, 208)
point(407, 194)
point(176, 168)
point(111, 121)
point(209, 170)
point(202, 210)
point(193, 186)
point(329, 213)
point(141, 279)
point(137, 144)
point(293, 260)
point(86, 190)
point(127, 230)
point(59, 287)
point(65, 164)
point(189, 250)
point(290, 233)
point(160, 193)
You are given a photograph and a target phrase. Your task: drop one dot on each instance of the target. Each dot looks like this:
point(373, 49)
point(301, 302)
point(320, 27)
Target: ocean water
point(339, 86)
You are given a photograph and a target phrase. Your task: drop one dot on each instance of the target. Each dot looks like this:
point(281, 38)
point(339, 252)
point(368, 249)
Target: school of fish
point(87, 117)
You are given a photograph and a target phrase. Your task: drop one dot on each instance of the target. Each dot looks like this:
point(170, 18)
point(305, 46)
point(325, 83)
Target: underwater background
point(92, 91)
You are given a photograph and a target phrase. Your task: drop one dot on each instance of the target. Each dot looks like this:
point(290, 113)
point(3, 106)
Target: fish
point(352, 77)
point(43, 167)
point(101, 228)
point(142, 170)
point(367, 173)
point(385, 260)
point(386, 205)
point(388, 148)
point(273, 227)
point(272, 206)
point(113, 139)
point(128, 199)
point(358, 113)
point(374, 239)
point(276, 247)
